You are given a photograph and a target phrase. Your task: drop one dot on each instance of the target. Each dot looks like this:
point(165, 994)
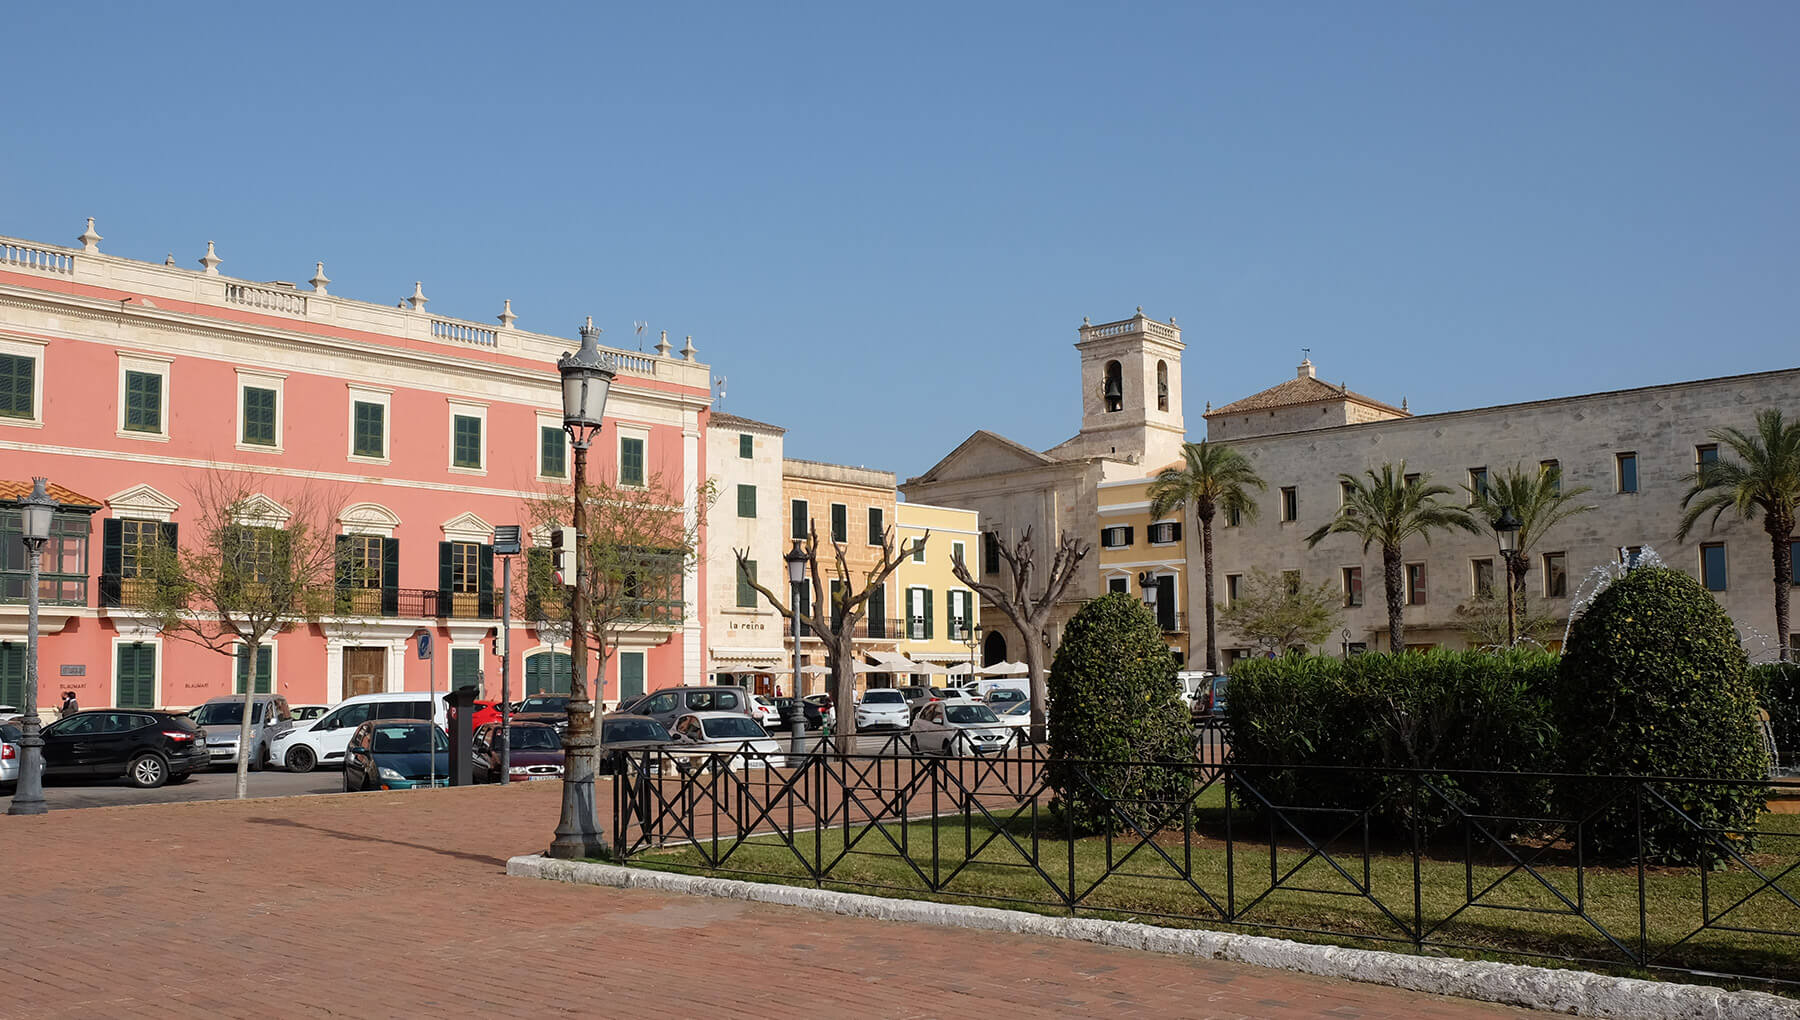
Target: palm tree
point(1383, 507)
point(1212, 478)
point(1764, 480)
point(1539, 502)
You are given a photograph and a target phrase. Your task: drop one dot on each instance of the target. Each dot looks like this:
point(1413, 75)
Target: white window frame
point(274, 648)
point(1149, 533)
point(548, 421)
point(153, 364)
point(465, 409)
point(250, 378)
point(26, 347)
point(619, 671)
point(369, 395)
point(625, 432)
point(924, 614)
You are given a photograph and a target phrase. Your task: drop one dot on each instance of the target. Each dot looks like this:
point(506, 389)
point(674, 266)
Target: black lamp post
point(37, 510)
point(796, 708)
point(1506, 530)
point(586, 377)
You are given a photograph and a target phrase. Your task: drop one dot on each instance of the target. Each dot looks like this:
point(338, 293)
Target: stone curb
point(1570, 992)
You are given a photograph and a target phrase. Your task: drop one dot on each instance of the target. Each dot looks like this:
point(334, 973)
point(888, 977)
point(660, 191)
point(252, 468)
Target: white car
point(1017, 718)
point(10, 753)
point(722, 733)
point(949, 727)
point(883, 708)
point(764, 711)
point(324, 740)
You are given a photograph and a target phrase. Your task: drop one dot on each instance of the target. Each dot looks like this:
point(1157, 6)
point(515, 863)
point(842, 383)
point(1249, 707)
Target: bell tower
point(1131, 390)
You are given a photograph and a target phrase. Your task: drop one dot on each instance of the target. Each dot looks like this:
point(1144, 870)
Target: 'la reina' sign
point(749, 625)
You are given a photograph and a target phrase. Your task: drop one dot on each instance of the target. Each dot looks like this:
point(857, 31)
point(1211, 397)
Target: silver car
point(9, 756)
point(958, 729)
point(222, 720)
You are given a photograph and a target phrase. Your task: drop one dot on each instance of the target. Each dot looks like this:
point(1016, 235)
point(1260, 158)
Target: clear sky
point(884, 224)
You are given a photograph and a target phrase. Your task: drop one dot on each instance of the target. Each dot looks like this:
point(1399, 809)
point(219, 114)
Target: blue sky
point(884, 224)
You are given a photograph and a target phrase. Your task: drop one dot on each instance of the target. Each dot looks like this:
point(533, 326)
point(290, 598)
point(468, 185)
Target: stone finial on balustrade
point(90, 238)
point(169, 260)
point(1171, 320)
point(687, 350)
point(507, 318)
point(210, 261)
point(417, 299)
point(319, 279)
point(1140, 310)
point(662, 346)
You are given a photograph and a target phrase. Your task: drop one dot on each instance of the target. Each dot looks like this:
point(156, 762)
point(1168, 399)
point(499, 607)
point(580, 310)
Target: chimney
point(1306, 369)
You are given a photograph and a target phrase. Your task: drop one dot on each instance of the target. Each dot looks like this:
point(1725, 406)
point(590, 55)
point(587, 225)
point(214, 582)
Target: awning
point(1006, 669)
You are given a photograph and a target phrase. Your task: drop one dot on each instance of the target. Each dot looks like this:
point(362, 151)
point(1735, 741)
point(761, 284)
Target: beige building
point(853, 506)
point(1131, 419)
point(939, 615)
point(746, 641)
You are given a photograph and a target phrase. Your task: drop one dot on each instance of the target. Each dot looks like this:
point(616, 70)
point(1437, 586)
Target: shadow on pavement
point(359, 837)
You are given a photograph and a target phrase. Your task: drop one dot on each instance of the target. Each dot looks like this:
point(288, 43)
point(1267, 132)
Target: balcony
point(412, 603)
point(868, 629)
point(1172, 623)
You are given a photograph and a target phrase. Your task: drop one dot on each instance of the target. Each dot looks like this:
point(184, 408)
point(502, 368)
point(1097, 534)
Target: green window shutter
point(877, 615)
point(836, 607)
point(265, 674)
point(17, 390)
point(465, 667)
point(137, 676)
point(875, 525)
point(370, 438)
point(143, 402)
point(631, 674)
point(12, 673)
point(798, 527)
point(746, 445)
point(746, 594)
point(840, 522)
point(390, 577)
point(928, 614)
point(259, 416)
point(484, 592)
point(534, 674)
point(746, 499)
point(445, 573)
point(112, 563)
point(553, 451)
point(631, 461)
point(549, 673)
point(538, 569)
point(466, 441)
point(341, 579)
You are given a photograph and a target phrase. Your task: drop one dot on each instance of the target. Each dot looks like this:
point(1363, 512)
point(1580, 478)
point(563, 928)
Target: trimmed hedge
point(1116, 700)
point(1654, 682)
point(1437, 710)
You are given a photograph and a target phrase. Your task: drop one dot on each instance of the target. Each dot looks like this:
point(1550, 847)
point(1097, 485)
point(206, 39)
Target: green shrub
point(1778, 692)
point(1653, 682)
point(1440, 710)
point(1116, 708)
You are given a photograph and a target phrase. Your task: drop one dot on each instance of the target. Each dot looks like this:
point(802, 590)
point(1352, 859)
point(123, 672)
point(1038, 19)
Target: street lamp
point(1506, 530)
point(796, 708)
point(37, 510)
point(586, 377)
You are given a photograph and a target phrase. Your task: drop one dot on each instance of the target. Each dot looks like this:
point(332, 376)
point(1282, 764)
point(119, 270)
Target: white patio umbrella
point(814, 670)
point(959, 668)
point(1006, 669)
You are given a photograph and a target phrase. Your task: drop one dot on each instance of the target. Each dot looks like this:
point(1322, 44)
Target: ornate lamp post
point(796, 710)
point(37, 510)
point(1506, 529)
point(586, 378)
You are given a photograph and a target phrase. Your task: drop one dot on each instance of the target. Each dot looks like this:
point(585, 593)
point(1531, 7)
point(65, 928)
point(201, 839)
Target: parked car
point(917, 696)
point(960, 729)
point(149, 748)
point(222, 718)
point(1016, 717)
point(722, 733)
point(1005, 697)
point(307, 713)
point(671, 703)
point(537, 751)
point(325, 739)
point(763, 710)
point(812, 710)
point(959, 695)
point(549, 709)
point(622, 733)
point(10, 753)
point(882, 708)
point(1212, 697)
point(399, 754)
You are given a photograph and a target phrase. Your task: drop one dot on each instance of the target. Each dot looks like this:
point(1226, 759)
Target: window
point(368, 423)
point(746, 499)
point(1346, 492)
point(465, 432)
point(143, 401)
point(1556, 575)
point(1704, 454)
point(1117, 537)
point(1410, 478)
point(877, 525)
point(1482, 581)
point(465, 668)
point(1290, 503)
point(1234, 516)
point(1478, 482)
point(918, 614)
point(746, 593)
point(552, 454)
point(63, 569)
point(260, 543)
point(12, 673)
point(957, 551)
point(1626, 465)
point(959, 614)
point(1353, 588)
point(1162, 386)
point(1712, 566)
point(990, 553)
point(1415, 584)
point(840, 522)
point(631, 674)
point(1290, 581)
point(18, 386)
point(1119, 585)
point(798, 512)
point(1552, 469)
point(631, 461)
point(1113, 389)
point(259, 416)
point(918, 551)
point(1165, 533)
point(877, 611)
point(265, 668)
point(1629, 555)
point(465, 568)
point(1234, 585)
point(746, 445)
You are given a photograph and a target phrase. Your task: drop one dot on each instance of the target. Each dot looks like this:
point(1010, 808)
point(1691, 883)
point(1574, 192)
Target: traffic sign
point(424, 638)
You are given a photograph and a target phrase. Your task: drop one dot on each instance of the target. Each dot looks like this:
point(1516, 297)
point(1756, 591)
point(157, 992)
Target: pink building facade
point(128, 384)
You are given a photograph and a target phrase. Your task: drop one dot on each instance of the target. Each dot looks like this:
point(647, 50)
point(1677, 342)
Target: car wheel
point(912, 744)
point(347, 787)
point(147, 772)
point(256, 760)
point(301, 759)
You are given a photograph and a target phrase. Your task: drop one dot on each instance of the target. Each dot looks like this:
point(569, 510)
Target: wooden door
point(365, 671)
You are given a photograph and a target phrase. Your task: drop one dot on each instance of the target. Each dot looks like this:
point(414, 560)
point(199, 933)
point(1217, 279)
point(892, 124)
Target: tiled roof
point(14, 491)
point(1299, 390)
point(720, 419)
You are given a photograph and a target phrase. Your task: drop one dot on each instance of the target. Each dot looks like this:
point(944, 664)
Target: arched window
point(1114, 391)
point(993, 649)
point(1162, 386)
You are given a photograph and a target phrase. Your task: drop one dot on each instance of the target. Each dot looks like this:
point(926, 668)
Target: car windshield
point(616, 730)
point(10, 733)
point(736, 727)
point(544, 705)
point(309, 712)
point(969, 714)
point(226, 713)
point(407, 738)
point(536, 738)
point(1021, 708)
point(884, 698)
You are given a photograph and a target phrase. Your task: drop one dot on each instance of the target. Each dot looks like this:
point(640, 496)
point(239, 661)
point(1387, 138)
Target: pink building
point(126, 383)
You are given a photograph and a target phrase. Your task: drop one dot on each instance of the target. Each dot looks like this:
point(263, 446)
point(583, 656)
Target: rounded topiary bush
point(1115, 709)
point(1654, 683)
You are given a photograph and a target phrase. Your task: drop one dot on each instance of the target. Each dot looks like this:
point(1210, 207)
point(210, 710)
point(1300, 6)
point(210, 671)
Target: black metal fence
point(1426, 860)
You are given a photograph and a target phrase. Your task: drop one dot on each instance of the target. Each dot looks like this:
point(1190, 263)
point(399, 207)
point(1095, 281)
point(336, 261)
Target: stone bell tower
point(1130, 391)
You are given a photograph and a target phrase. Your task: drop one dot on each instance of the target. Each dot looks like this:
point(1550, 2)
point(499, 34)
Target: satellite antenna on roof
point(641, 326)
point(719, 387)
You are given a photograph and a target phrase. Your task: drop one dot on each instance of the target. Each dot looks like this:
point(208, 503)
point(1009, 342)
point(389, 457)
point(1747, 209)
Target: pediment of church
point(982, 454)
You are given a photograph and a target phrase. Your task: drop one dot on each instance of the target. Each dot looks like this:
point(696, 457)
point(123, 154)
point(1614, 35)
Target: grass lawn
point(975, 862)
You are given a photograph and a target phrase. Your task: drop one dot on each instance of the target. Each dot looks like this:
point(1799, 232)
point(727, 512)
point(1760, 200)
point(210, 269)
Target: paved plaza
point(398, 905)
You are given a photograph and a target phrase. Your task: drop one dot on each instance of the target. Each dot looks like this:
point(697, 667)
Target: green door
point(549, 673)
point(137, 676)
point(465, 668)
point(12, 674)
point(631, 675)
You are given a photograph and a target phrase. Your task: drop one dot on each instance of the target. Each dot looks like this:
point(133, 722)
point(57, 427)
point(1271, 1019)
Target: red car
point(486, 712)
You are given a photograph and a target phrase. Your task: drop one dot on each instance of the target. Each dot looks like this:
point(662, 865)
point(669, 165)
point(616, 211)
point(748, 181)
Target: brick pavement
point(397, 905)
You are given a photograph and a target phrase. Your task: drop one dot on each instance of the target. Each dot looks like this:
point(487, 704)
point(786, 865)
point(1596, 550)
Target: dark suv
point(148, 748)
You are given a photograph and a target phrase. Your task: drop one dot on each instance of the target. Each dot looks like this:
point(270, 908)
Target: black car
point(149, 748)
point(549, 709)
point(815, 714)
point(620, 734)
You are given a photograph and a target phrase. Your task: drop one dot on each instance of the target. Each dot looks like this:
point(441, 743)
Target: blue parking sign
point(424, 644)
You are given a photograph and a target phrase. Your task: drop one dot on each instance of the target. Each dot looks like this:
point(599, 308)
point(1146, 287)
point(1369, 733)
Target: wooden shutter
point(877, 605)
point(537, 579)
point(484, 599)
point(137, 676)
point(631, 674)
point(112, 562)
point(390, 577)
point(342, 578)
point(445, 573)
point(12, 673)
point(928, 614)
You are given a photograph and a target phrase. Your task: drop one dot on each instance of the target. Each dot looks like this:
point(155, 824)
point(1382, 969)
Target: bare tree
point(256, 566)
point(835, 621)
point(1029, 613)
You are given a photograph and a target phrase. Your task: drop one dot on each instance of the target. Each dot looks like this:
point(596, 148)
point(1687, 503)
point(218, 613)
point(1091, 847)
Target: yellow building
point(939, 617)
point(851, 506)
point(1145, 557)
